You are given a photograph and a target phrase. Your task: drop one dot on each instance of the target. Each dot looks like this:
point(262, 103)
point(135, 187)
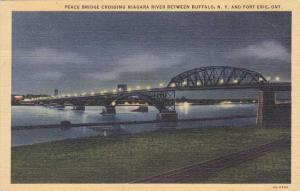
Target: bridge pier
point(79, 107)
point(265, 108)
point(167, 116)
point(109, 110)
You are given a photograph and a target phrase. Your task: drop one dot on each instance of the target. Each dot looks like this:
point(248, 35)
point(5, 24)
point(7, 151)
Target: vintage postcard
point(149, 95)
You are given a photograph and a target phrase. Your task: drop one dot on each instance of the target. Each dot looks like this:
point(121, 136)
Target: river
point(39, 115)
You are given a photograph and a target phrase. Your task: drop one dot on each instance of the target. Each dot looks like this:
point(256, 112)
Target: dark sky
point(81, 51)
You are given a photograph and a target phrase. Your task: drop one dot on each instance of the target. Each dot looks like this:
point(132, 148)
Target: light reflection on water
point(39, 115)
point(35, 115)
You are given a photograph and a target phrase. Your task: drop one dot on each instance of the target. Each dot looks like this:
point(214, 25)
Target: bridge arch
point(148, 97)
point(216, 76)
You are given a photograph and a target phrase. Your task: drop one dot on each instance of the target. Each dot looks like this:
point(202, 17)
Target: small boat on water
point(56, 106)
point(60, 107)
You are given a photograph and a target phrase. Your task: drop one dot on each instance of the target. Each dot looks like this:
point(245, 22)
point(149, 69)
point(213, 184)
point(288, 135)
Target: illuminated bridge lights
point(173, 85)
point(221, 81)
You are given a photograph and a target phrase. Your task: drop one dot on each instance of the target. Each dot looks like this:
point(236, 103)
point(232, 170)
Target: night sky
point(81, 51)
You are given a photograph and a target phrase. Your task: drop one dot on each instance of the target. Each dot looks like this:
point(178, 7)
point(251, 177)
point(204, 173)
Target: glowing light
point(184, 107)
point(186, 104)
point(92, 93)
point(148, 87)
point(113, 103)
point(138, 87)
point(129, 89)
point(126, 103)
point(198, 83)
point(120, 89)
point(114, 91)
point(277, 78)
point(235, 81)
point(221, 81)
point(268, 78)
point(173, 85)
point(253, 101)
point(104, 91)
point(226, 104)
point(260, 79)
point(184, 83)
point(75, 95)
point(161, 84)
point(83, 94)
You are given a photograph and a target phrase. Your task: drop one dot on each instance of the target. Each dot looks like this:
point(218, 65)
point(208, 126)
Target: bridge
point(197, 79)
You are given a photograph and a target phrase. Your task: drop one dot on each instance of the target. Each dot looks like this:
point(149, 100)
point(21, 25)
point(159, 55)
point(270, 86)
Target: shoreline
point(100, 125)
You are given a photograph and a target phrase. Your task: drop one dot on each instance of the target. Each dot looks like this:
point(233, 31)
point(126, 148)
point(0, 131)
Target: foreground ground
point(128, 158)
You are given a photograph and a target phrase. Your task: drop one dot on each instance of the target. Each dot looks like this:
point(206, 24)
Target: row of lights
point(138, 87)
point(276, 78)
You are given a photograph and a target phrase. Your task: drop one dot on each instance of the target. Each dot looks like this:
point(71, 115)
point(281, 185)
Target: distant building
point(122, 87)
point(56, 92)
point(18, 98)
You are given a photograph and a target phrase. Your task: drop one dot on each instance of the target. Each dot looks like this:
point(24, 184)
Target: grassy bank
point(274, 167)
point(127, 158)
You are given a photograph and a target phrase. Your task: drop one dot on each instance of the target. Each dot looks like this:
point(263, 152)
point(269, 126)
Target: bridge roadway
point(280, 86)
point(197, 79)
point(160, 95)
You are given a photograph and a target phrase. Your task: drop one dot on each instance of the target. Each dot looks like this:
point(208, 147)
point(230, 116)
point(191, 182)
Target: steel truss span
point(214, 76)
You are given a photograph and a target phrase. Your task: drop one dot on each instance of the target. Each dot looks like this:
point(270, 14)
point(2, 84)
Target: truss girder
point(216, 76)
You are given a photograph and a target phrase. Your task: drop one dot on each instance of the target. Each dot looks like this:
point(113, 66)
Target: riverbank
point(127, 158)
point(105, 124)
